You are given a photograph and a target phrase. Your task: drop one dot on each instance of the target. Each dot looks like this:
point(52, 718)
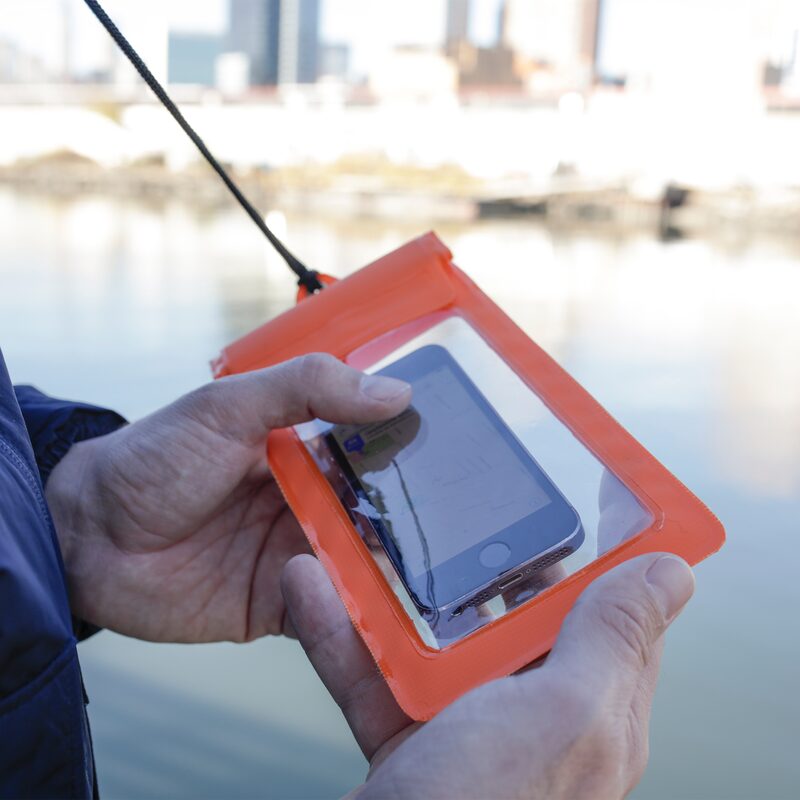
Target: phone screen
point(447, 474)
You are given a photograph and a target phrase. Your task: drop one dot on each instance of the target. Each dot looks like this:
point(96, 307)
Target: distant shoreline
point(438, 196)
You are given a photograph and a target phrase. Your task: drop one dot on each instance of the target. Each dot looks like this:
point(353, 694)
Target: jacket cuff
point(55, 425)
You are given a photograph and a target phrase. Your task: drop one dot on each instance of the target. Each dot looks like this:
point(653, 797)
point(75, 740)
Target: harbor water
point(694, 345)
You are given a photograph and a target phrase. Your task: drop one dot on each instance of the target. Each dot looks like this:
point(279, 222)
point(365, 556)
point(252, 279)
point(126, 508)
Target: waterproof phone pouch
point(460, 533)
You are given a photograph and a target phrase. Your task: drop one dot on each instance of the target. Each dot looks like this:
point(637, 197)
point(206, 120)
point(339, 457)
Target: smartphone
point(461, 508)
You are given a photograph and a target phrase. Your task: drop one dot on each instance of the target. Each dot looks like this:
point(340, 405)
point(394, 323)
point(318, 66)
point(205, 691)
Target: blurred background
point(622, 176)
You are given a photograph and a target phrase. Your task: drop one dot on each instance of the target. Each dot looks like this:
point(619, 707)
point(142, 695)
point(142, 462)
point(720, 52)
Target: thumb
point(614, 631)
point(312, 386)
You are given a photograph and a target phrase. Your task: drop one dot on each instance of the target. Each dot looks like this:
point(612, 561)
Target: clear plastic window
point(477, 498)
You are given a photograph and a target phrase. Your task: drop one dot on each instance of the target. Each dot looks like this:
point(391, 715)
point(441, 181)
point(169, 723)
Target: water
point(694, 346)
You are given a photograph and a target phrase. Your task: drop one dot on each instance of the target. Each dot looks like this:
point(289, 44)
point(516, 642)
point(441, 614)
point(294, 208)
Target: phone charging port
point(510, 581)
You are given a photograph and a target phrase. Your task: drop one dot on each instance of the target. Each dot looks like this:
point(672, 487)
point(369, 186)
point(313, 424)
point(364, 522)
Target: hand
point(574, 727)
point(621, 517)
point(173, 529)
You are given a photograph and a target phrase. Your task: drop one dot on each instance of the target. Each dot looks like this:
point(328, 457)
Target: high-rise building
point(502, 23)
point(192, 58)
point(458, 12)
point(298, 50)
point(490, 66)
point(279, 37)
point(255, 31)
point(561, 34)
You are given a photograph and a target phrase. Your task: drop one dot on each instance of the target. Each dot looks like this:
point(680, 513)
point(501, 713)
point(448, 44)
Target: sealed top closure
point(390, 292)
point(366, 311)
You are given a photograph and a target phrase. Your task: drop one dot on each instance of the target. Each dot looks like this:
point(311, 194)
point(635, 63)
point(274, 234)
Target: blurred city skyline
point(536, 45)
point(450, 108)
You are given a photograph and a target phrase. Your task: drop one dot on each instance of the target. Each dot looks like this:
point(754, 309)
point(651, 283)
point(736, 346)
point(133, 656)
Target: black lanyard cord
point(306, 277)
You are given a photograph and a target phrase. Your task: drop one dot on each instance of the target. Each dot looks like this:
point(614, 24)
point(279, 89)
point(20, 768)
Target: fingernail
point(383, 389)
point(672, 581)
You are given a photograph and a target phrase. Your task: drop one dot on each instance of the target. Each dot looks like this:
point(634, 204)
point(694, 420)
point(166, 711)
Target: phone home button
point(495, 554)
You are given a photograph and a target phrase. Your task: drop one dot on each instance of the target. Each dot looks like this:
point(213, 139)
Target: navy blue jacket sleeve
point(53, 427)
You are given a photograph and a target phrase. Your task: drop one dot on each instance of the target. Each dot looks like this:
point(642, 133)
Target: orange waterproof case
point(460, 534)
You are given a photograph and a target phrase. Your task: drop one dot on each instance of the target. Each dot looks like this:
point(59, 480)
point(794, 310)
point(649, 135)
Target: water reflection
point(226, 754)
point(694, 346)
point(156, 740)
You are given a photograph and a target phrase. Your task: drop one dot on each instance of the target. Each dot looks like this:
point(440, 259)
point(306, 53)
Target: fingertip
point(672, 582)
point(298, 572)
point(620, 618)
point(389, 391)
